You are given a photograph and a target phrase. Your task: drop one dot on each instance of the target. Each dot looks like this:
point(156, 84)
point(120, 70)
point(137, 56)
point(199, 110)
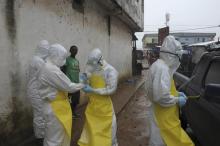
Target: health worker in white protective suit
point(54, 88)
point(100, 125)
point(165, 128)
point(33, 88)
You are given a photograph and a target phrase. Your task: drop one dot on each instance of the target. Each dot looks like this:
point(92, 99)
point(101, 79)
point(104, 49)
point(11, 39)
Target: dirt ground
point(132, 121)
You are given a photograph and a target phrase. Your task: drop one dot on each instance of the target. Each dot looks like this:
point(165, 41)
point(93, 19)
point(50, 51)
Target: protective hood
point(95, 57)
point(42, 49)
point(170, 52)
point(95, 61)
point(57, 55)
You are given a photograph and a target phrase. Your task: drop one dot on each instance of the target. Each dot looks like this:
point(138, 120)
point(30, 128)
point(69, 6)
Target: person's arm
point(161, 88)
point(60, 81)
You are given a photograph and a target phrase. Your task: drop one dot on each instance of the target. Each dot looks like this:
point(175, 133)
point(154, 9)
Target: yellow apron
point(167, 119)
point(98, 125)
point(62, 110)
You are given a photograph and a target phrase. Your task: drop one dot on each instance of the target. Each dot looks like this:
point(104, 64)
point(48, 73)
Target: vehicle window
point(199, 70)
point(212, 76)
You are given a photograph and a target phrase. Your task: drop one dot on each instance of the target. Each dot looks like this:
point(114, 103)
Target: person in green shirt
point(72, 70)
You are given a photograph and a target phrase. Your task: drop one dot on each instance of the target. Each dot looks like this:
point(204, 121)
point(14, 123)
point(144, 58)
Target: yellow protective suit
point(167, 119)
point(62, 110)
point(99, 114)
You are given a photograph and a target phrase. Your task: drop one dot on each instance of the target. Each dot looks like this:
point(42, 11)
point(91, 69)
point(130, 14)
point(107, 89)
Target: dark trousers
point(40, 141)
point(74, 98)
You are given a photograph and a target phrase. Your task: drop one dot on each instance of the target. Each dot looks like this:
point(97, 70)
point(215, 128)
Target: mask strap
point(171, 54)
point(99, 61)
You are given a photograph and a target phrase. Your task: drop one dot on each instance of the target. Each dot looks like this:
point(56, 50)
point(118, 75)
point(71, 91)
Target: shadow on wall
point(17, 127)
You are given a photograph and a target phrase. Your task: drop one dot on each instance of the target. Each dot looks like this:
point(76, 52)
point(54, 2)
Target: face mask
point(174, 66)
point(61, 61)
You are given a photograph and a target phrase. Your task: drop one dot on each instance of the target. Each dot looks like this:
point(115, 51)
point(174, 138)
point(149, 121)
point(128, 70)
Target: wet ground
point(132, 121)
point(122, 97)
point(130, 106)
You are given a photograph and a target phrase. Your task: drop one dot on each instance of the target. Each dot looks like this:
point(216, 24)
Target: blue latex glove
point(88, 89)
point(83, 78)
point(182, 94)
point(182, 100)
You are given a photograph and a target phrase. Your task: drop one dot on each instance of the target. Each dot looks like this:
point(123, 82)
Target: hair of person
point(74, 47)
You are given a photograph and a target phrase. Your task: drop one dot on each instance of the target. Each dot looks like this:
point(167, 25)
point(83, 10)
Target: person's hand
point(182, 94)
point(88, 89)
point(182, 100)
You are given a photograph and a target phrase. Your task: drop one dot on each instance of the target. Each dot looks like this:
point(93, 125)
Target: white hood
point(42, 49)
point(57, 55)
point(171, 51)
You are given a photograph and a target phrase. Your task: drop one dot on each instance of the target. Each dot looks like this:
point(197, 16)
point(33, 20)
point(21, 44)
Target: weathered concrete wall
point(23, 23)
point(135, 9)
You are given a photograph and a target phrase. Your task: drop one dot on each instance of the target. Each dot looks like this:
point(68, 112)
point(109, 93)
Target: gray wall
point(26, 22)
point(135, 10)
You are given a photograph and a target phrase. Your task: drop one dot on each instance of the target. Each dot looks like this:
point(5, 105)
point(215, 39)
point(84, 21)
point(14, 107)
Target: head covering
point(57, 55)
point(170, 52)
point(95, 57)
point(42, 49)
point(95, 61)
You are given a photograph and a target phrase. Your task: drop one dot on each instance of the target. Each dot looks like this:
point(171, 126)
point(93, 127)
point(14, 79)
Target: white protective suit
point(33, 86)
point(52, 80)
point(97, 65)
point(158, 84)
point(111, 78)
point(109, 72)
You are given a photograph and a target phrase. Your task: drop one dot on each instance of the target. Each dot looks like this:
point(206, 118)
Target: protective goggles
point(100, 60)
point(95, 62)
